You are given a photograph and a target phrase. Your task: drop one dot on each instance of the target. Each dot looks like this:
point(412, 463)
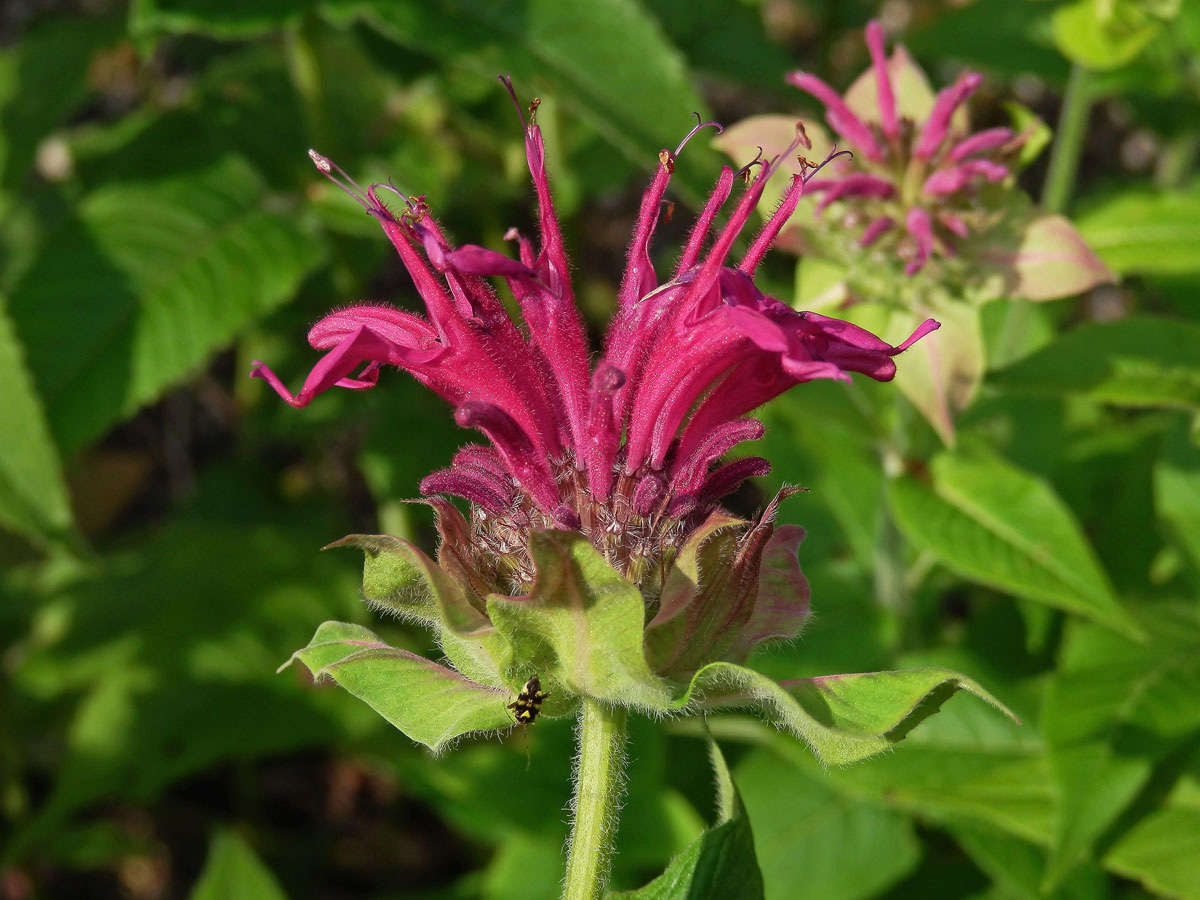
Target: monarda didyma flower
point(595, 554)
point(918, 179)
point(923, 189)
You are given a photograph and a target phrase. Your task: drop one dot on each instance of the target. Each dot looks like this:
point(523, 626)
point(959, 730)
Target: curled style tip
point(700, 123)
point(835, 153)
point(744, 171)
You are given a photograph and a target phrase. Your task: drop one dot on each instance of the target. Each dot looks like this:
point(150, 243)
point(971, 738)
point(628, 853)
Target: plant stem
point(1068, 143)
point(599, 783)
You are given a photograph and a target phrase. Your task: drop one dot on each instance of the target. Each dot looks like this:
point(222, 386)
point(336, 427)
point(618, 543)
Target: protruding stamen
point(338, 176)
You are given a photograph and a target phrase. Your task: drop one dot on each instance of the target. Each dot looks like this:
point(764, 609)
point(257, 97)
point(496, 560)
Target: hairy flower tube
point(595, 554)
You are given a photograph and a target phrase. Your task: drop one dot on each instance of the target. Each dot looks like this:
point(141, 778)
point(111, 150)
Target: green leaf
point(1159, 850)
point(842, 718)
point(1140, 361)
point(1102, 34)
point(1144, 231)
point(160, 659)
point(33, 494)
point(431, 704)
point(148, 19)
point(234, 872)
point(815, 841)
point(148, 281)
point(581, 621)
point(597, 57)
point(964, 764)
point(719, 863)
point(994, 523)
point(1112, 712)
point(1016, 866)
point(1177, 493)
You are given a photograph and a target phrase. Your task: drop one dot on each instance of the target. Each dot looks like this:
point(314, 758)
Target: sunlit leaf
point(1144, 231)
point(719, 863)
point(990, 521)
point(1112, 711)
point(33, 495)
point(1139, 361)
point(145, 284)
point(1103, 34)
point(1038, 256)
point(817, 842)
point(1159, 850)
point(431, 704)
point(940, 375)
point(842, 718)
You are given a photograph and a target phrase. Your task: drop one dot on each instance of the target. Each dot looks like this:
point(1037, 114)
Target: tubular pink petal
point(639, 278)
point(475, 260)
point(604, 435)
point(648, 493)
point(883, 82)
point(690, 472)
point(526, 464)
point(771, 228)
point(565, 517)
point(988, 139)
point(466, 485)
point(926, 327)
point(729, 477)
point(875, 230)
point(716, 199)
point(333, 370)
point(485, 464)
point(857, 185)
point(954, 224)
point(838, 114)
point(955, 179)
point(933, 133)
point(918, 225)
point(553, 320)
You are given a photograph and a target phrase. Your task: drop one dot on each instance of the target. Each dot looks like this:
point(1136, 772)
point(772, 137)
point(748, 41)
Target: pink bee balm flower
point(626, 450)
point(922, 175)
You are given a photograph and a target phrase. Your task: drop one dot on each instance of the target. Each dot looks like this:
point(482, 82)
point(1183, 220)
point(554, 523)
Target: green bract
point(588, 632)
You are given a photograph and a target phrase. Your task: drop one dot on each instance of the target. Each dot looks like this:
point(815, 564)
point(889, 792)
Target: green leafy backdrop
point(161, 226)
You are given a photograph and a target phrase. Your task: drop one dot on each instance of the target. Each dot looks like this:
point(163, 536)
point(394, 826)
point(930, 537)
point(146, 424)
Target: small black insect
point(529, 702)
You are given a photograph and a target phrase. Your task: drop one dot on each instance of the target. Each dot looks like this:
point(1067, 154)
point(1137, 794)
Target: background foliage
point(162, 226)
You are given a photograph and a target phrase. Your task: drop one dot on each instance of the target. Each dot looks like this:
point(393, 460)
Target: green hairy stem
point(599, 783)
